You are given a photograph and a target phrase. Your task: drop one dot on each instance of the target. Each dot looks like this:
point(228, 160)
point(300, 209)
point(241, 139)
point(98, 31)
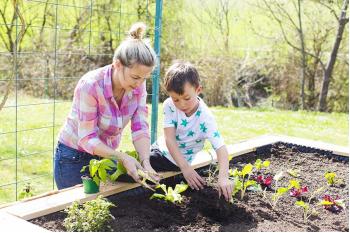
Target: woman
point(105, 100)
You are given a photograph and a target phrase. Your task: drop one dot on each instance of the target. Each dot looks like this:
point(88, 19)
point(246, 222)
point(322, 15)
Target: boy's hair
point(178, 74)
point(136, 50)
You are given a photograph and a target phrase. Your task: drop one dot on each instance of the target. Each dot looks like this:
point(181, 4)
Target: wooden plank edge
point(10, 223)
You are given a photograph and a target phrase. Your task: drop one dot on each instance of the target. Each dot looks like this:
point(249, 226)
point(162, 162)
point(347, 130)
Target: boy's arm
point(225, 185)
point(193, 179)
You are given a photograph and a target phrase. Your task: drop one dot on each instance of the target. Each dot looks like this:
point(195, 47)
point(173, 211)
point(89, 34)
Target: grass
point(36, 139)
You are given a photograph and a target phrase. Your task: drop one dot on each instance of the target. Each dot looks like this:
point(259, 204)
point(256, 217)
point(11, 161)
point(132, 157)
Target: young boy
point(187, 123)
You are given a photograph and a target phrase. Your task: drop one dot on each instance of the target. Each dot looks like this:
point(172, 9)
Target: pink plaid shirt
point(95, 116)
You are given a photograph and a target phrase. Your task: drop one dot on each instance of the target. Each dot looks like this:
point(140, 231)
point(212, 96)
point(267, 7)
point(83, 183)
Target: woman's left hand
point(147, 167)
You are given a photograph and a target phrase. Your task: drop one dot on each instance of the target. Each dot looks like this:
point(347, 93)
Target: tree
point(342, 21)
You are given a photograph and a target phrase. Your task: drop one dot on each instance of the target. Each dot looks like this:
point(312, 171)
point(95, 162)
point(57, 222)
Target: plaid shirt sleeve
point(86, 106)
point(139, 120)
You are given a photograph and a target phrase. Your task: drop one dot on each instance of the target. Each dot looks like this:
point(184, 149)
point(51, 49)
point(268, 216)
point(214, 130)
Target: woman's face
point(131, 78)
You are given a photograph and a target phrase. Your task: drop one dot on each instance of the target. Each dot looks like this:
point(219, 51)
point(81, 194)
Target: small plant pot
point(89, 185)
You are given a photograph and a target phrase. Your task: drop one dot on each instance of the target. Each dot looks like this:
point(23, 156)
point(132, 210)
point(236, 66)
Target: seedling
point(306, 206)
point(264, 181)
point(259, 164)
point(294, 173)
point(279, 191)
point(98, 169)
point(242, 179)
point(170, 194)
point(306, 209)
point(143, 174)
point(295, 189)
point(334, 205)
point(26, 192)
point(332, 179)
point(91, 216)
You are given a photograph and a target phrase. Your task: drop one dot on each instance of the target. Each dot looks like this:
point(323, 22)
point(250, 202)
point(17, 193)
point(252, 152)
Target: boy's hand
point(194, 180)
point(225, 188)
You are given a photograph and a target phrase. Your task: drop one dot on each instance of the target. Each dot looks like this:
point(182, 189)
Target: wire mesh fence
point(46, 46)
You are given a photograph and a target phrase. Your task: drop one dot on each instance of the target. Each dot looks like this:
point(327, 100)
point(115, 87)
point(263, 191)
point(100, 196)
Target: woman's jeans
point(67, 165)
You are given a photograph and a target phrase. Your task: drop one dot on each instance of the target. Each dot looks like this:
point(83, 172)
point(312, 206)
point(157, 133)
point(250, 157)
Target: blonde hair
point(134, 49)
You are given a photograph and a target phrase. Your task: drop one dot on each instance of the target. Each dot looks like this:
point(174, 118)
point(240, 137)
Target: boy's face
point(187, 102)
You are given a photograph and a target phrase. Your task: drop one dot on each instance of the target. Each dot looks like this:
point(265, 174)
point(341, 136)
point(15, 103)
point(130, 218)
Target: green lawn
point(35, 147)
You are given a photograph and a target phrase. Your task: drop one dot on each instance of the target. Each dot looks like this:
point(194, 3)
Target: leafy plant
point(259, 164)
point(242, 179)
point(334, 205)
point(170, 194)
point(295, 189)
point(91, 216)
point(294, 173)
point(120, 167)
point(26, 192)
point(306, 209)
point(330, 177)
point(279, 191)
point(263, 181)
point(98, 169)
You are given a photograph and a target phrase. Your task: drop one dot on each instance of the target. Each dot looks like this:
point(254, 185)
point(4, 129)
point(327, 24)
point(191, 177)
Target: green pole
point(156, 74)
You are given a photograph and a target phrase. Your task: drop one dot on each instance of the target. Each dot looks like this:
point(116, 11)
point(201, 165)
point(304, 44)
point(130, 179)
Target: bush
point(91, 216)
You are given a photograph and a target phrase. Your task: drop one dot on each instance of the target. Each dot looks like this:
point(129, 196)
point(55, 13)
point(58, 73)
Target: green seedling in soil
point(307, 210)
point(170, 194)
point(334, 205)
point(26, 192)
point(144, 175)
point(332, 179)
point(259, 164)
point(294, 173)
point(92, 216)
point(242, 179)
point(295, 189)
point(279, 191)
point(98, 169)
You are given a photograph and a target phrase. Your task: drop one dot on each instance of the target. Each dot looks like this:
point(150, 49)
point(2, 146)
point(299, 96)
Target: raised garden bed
point(203, 211)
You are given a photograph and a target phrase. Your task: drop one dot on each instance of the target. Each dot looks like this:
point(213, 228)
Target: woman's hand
point(131, 165)
point(194, 180)
point(225, 187)
point(151, 172)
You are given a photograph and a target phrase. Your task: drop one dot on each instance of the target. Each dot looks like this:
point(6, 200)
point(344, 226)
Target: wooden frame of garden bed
point(14, 215)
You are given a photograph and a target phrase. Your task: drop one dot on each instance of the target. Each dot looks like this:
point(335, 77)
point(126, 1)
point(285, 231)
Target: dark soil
point(204, 211)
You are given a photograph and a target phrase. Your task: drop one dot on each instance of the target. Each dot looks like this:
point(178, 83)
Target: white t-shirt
point(191, 132)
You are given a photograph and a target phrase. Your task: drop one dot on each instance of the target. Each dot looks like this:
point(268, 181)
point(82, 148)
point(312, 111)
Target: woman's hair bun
point(137, 30)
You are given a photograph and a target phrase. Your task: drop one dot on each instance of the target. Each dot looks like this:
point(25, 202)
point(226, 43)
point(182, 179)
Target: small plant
point(334, 205)
point(294, 173)
point(308, 212)
point(98, 169)
point(306, 208)
point(242, 179)
point(26, 192)
point(264, 181)
point(279, 191)
point(170, 194)
point(259, 164)
point(332, 179)
point(91, 216)
point(295, 189)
